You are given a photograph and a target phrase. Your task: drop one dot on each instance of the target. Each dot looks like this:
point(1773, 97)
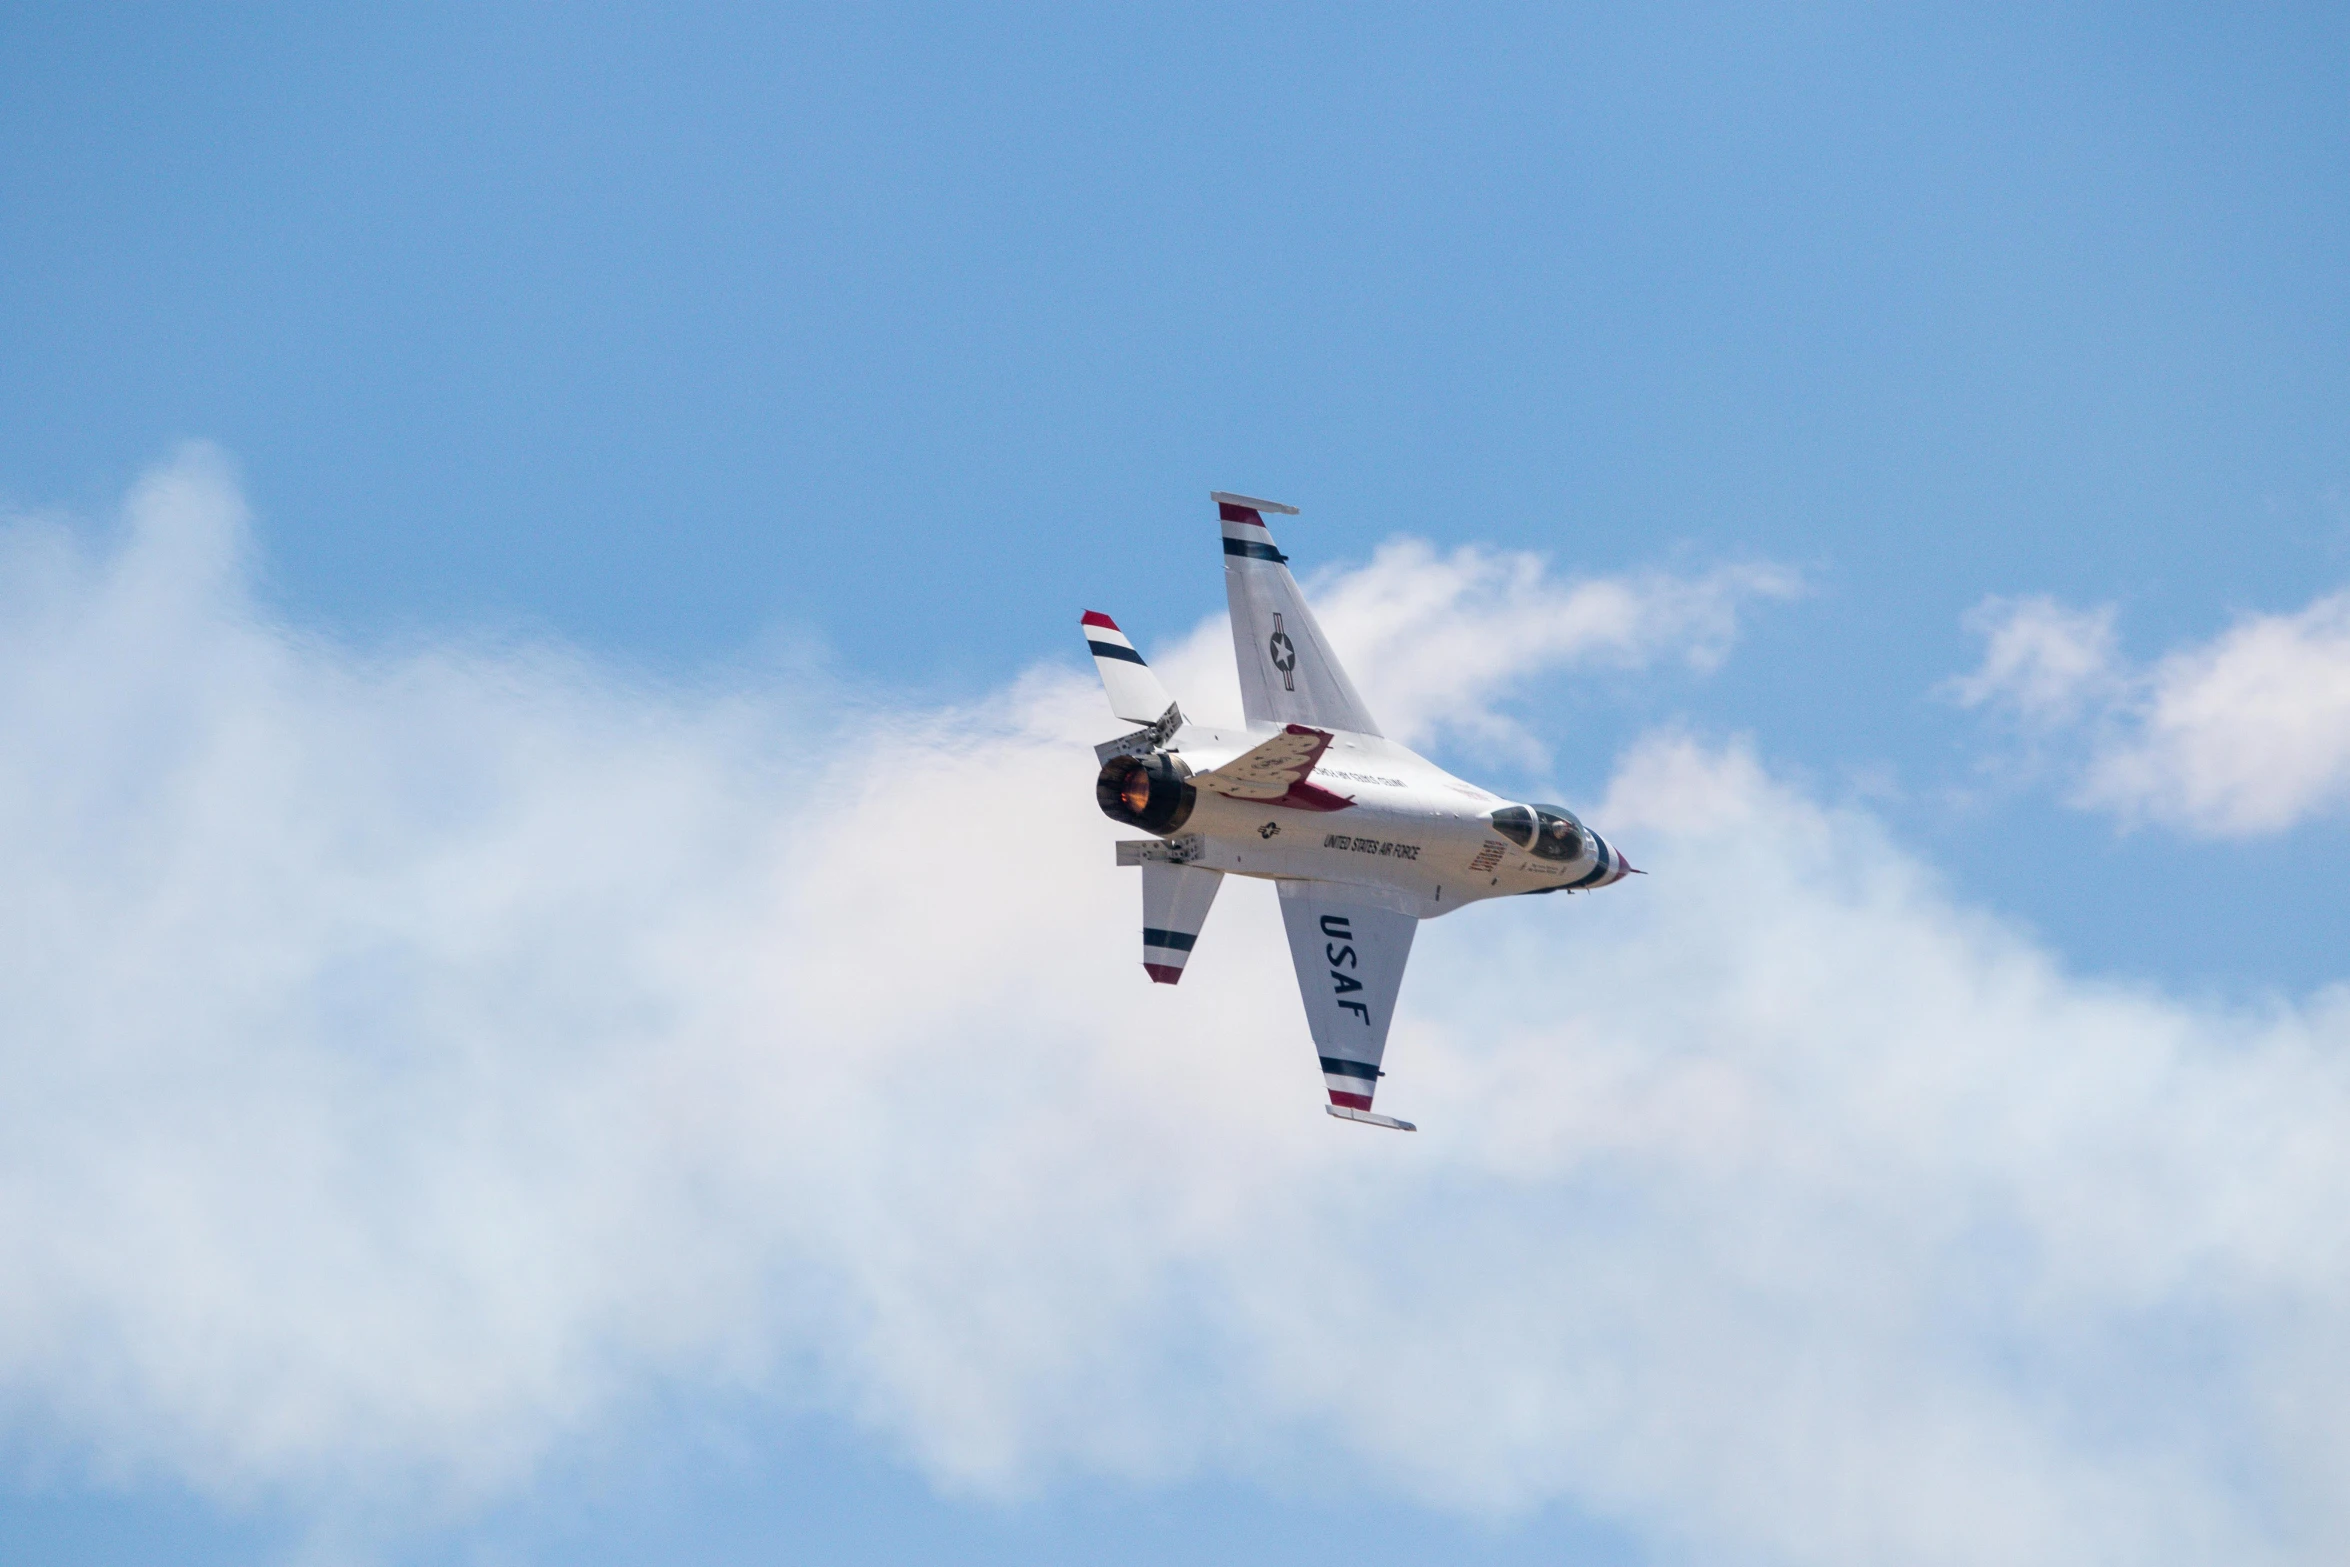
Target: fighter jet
point(1362, 838)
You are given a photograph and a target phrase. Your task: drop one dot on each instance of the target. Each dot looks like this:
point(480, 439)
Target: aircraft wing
point(1350, 959)
point(1288, 675)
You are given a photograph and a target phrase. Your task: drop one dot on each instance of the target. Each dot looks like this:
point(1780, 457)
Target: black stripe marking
point(1172, 940)
point(1333, 1067)
point(1254, 551)
point(1600, 867)
point(1601, 863)
point(1113, 650)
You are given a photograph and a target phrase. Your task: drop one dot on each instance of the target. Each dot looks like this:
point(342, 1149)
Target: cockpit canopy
point(1548, 832)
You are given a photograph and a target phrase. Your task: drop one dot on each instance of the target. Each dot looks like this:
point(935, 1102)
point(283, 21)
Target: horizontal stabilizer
point(1135, 693)
point(1175, 902)
point(1369, 1119)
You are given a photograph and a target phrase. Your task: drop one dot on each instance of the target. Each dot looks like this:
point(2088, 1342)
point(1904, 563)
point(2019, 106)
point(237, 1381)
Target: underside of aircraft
point(1362, 838)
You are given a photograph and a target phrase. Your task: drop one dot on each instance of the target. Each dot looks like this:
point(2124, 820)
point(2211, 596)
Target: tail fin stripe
point(1127, 678)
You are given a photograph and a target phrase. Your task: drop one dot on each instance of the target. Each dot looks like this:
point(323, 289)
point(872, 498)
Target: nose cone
point(1617, 867)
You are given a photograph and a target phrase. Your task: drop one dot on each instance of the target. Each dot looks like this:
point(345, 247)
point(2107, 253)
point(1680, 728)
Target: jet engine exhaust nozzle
point(1150, 792)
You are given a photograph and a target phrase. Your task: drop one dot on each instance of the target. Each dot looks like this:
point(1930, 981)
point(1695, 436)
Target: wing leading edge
point(1350, 959)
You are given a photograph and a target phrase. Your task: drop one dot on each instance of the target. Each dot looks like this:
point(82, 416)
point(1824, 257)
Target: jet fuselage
point(1425, 841)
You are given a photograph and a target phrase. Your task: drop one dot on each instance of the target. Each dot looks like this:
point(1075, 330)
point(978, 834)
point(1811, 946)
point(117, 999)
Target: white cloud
point(2042, 661)
point(1442, 638)
point(413, 1057)
point(2248, 733)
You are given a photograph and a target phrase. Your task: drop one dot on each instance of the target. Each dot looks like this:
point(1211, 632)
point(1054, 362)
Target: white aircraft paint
point(1363, 837)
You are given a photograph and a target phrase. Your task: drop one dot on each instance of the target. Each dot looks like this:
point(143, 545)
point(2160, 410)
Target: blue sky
point(833, 359)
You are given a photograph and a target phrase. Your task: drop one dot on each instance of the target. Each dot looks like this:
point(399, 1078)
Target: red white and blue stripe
point(1164, 952)
point(1104, 638)
point(1351, 1083)
point(1134, 692)
point(1245, 535)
